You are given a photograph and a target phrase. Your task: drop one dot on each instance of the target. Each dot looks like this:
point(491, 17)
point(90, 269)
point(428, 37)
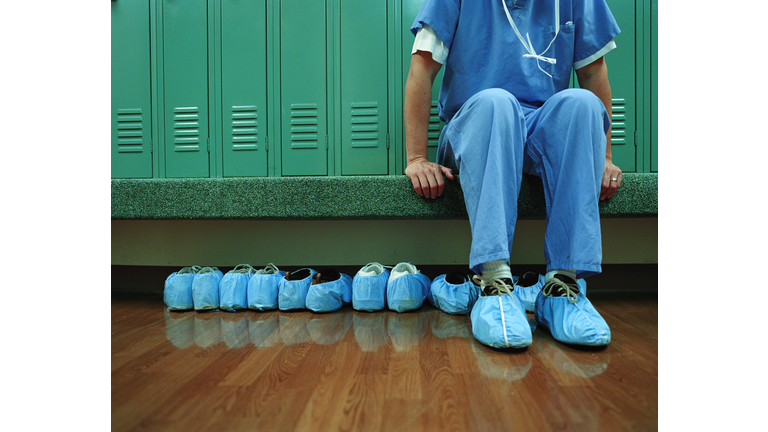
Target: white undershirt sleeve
point(427, 40)
point(607, 48)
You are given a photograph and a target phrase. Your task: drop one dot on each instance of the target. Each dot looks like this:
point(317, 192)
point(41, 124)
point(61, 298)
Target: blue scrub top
point(485, 52)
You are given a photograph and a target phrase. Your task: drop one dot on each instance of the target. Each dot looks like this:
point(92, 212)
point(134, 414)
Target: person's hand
point(427, 177)
point(611, 180)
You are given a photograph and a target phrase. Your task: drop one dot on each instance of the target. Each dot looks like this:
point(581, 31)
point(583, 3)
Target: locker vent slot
point(130, 138)
point(434, 127)
point(618, 121)
point(365, 124)
point(304, 126)
point(186, 129)
point(245, 128)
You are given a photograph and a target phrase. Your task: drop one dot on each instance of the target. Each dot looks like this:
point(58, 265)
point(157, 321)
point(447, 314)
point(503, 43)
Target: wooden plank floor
point(385, 371)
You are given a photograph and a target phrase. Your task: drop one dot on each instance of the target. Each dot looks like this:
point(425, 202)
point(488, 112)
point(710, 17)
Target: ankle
point(496, 270)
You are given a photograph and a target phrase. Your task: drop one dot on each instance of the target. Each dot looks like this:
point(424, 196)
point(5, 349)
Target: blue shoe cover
point(500, 322)
point(527, 294)
point(292, 294)
point(233, 289)
point(572, 319)
point(369, 288)
point(329, 295)
point(205, 288)
point(498, 318)
point(262, 288)
point(177, 293)
point(453, 293)
point(406, 288)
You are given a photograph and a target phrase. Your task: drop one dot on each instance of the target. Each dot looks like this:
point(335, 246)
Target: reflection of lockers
point(231, 88)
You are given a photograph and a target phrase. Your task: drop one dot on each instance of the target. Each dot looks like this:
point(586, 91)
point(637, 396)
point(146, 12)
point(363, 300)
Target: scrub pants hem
point(476, 264)
point(582, 270)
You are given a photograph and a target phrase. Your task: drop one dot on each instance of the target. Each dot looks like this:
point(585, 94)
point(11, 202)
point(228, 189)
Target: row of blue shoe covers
point(373, 288)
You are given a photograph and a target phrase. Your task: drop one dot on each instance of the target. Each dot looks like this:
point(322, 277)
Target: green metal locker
point(303, 87)
point(410, 10)
point(185, 84)
point(364, 87)
point(621, 74)
point(244, 87)
point(131, 125)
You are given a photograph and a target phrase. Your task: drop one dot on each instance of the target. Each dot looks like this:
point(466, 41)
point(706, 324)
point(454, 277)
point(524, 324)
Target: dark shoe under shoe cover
point(292, 289)
point(329, 291)
point(568, 315)
point(453, 293)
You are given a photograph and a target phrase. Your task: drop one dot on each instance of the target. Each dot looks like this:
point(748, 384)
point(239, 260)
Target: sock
point(496, 270)
point(570, 273)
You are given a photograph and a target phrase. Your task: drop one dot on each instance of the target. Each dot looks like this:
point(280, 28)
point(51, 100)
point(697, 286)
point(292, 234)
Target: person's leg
point(485, 141)
point(566, 149)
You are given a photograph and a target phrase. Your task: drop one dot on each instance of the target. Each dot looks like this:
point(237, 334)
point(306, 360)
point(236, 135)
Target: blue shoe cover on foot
point(449, 294)
point(292, 294)
point(262, 288)
point(369, 288)
point(500, 322)
point(233, 289)
point(572, 320)
point(177, 293)
point(406, 288)
point(527, 294)
point(205, 288)
point(331, 295)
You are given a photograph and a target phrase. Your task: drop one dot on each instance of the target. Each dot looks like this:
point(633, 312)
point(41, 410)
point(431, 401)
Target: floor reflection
point(371, 330)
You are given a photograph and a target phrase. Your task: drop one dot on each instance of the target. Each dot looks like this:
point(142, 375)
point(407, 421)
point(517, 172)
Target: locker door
point(131, 126)
point(364, 87)
point(244, 87)
point(621, 74)
point(185, 82)
point(303, 94)
point(410, 10)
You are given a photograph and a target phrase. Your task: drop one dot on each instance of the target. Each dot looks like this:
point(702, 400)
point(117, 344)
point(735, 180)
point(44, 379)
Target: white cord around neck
point(529, 46)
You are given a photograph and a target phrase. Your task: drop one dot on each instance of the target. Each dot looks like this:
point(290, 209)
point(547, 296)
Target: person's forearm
point(418, 103)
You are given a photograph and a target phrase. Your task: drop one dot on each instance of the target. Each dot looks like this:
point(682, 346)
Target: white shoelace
point(529, 46)
point(498, 286)
point(560, 286)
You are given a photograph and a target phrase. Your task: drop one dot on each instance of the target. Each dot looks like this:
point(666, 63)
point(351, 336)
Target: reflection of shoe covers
point(205, 289)
point(293, 328)
point(527, 295)
point(445, 326)
point(407, 292)
point(499, 365)
point(406, 330)
point(234, 330)
point(292, 294)
point(233, 291)
point(178, 291)
point(262, 290)
point(370, 330)
point(500, 322)
point(329, 329)
point(369, 293)
point(180, 329)
point(207, 329)
point(453, 299)
point(329, 296)
point(574, 323)
point(264, 329)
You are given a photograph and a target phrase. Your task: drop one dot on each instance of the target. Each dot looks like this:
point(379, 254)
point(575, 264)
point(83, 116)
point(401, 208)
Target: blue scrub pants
point(493, 139)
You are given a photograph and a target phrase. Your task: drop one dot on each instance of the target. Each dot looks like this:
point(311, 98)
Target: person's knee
point(579, 99)
point(495, 98)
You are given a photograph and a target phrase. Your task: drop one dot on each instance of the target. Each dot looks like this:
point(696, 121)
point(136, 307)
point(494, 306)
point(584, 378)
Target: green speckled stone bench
point(358, 197)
